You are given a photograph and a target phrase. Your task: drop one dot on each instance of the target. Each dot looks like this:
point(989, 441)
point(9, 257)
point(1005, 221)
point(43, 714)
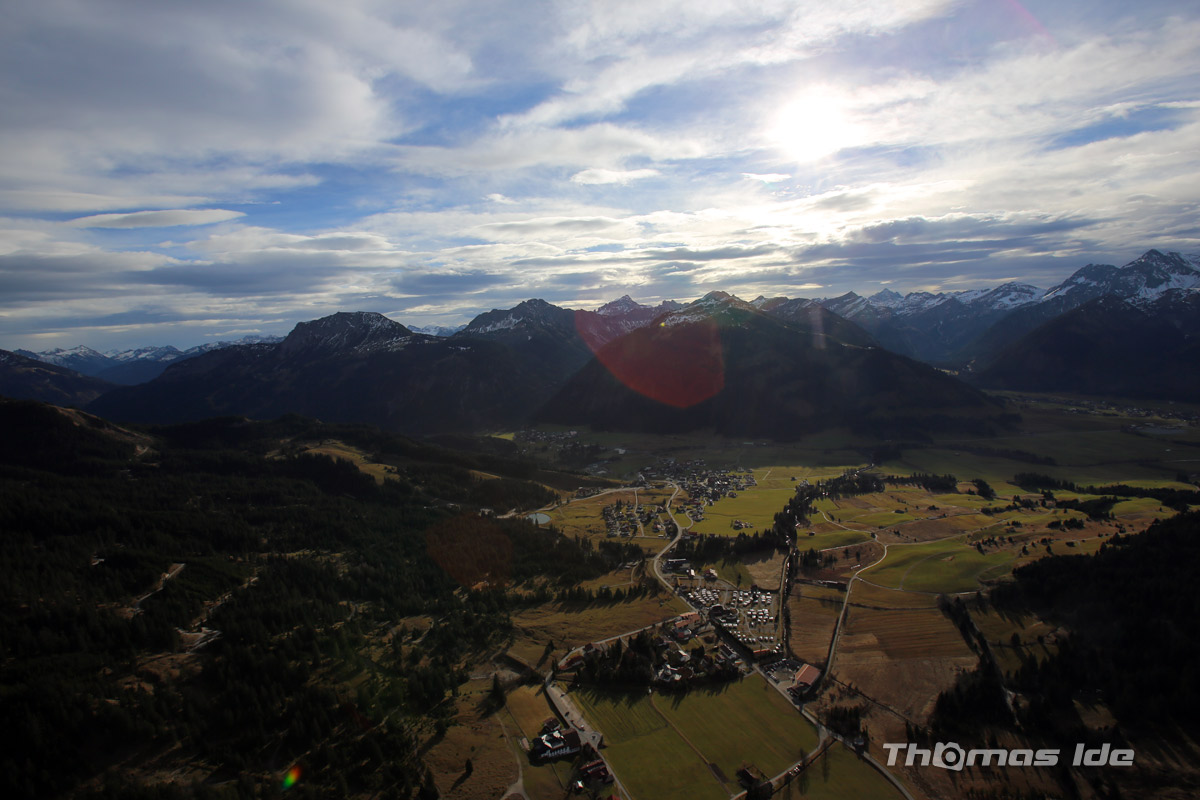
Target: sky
point(187, 172)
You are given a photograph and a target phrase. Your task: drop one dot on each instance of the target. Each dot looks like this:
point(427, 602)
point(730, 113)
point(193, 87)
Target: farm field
point(771, 733)
point(940, 566)
point(648, 756)
point(836, 775)
point(814, 612)
point(826, 535)
point(901, 658)
point(764, 569)
point(571, 626)
point(755, 506)
point(525, 710)
point(478, 738)
point(679, 745)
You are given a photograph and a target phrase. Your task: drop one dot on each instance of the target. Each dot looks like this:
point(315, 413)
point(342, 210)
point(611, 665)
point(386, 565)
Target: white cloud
point(770, 177)
point(601, 176)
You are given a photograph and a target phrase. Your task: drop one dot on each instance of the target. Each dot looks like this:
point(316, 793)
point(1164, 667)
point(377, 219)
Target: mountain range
point(128, 367)
point(768, 367)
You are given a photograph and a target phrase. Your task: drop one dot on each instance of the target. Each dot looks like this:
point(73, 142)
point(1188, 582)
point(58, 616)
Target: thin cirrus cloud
point(158, 219)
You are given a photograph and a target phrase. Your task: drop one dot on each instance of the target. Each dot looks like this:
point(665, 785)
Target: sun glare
point(814, 125)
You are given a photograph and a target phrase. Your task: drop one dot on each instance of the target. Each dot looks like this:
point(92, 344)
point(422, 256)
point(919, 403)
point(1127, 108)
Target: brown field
point(925, 530)
point(900, 658)
point(765, 570)
point(814, 613)
point(478, 738)
point(572, 626)
point(621, 578)
point(868, 595)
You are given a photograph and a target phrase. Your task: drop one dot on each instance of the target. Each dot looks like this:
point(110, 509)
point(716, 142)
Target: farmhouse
point(555, 745)
point(806, 676)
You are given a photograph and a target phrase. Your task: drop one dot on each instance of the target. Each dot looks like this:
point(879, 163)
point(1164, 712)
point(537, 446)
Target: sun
point(814, 125)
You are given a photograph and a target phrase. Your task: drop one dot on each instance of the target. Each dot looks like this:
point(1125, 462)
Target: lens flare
point(290, 779)
point(677, 365)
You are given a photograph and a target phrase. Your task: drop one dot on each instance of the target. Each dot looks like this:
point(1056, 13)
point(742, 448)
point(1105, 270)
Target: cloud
point(771, 177)
point(599, 176)
point(157, 219)
point(443, 158)
point(553, 226)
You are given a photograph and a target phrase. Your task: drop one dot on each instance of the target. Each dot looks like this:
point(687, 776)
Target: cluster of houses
point(680, 667)
point(626, 519)
point(673, 665)
point(545, 437)
point(703, 486)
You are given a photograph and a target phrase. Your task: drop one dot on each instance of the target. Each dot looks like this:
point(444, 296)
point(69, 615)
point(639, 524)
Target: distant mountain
point(722, 364)
point(81, 359)
point(1109, 346)
point(364, 367)
point(30, 379)
point(613, 320)
point(931, 327)
point(810, 315)
point(436, 330)
point(1141, 282)
point(128, 367)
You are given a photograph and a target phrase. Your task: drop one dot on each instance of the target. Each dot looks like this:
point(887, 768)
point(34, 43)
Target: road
point(566, 709)
point(158, 586)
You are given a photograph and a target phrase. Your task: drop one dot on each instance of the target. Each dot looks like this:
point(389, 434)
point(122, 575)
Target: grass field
point(478, 738)
point(526, 709)
point(755, 506)
point(940, 566)
point(352, 454)
point(770, 733)
point(650, 758)
point(570, 626)
point(683, 746)
point(837, 775)
point(900, 657)
point(871, 596)
point(826, 536)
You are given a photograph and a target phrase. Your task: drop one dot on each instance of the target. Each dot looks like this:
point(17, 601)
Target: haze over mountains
point(772, 366)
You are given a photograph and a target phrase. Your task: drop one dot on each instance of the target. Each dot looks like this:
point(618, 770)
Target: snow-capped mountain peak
point(624, 305)
point(886, 298)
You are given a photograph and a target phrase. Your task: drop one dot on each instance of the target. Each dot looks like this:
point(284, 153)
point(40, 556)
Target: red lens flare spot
point(679, 365)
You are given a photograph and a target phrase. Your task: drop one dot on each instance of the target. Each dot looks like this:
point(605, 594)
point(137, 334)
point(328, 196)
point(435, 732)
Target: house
point(806, 676)
point(595, 771)
point(555, 745)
